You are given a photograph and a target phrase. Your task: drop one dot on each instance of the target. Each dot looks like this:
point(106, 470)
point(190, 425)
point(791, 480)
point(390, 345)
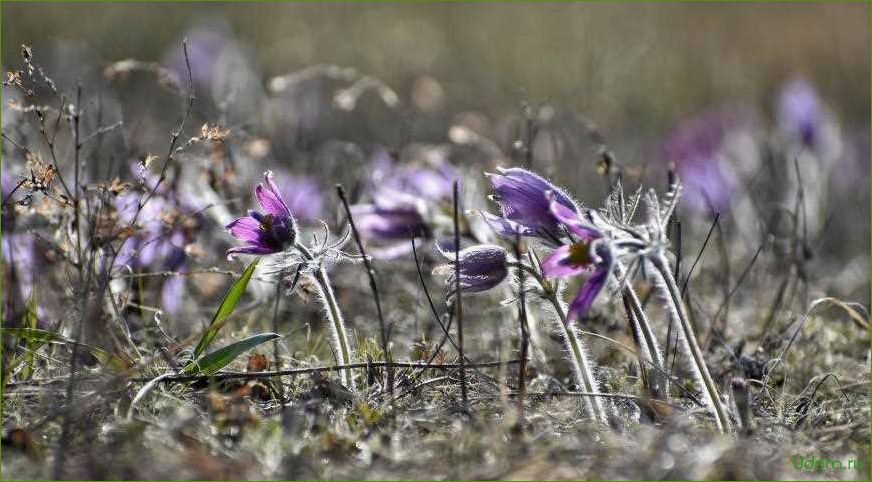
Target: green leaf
point(211, 363)
point(225, 310)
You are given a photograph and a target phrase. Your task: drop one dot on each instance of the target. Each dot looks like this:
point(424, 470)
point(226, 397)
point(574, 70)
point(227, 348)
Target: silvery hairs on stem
point(649, 243)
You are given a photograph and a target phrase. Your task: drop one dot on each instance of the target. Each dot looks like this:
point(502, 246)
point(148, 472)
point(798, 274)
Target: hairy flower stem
point(337, 323)
point(341, 347)
point(698, 363)
point(642, 326)
point(578, 356)
point(658, 381)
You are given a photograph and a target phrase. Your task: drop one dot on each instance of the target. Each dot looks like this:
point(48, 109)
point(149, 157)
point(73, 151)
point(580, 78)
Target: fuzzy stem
point(337, 323)
point(578, 355)
point(698, 362)
point(580, 364)
point(341, 347)
point(643, 326)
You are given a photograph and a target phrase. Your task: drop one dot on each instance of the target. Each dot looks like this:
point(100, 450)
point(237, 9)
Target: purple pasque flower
point(8, 184)
point(800, 111)
point(586, 254)
point(205, 45)
point(149, 244)
point(695, 147)
point(429, 183)
point(524, 204)
point(167, 225)
point(406, 199)
point(481, 267)
point(21, 261)
point(389, 221)
point(271, 231)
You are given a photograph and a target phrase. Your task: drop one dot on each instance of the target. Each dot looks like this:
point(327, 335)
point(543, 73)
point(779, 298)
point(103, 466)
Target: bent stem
point(341, 347)
point(698, 363)
point(578, 356)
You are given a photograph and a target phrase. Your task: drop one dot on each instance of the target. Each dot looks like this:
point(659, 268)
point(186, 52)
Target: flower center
point(266, 223)
point(580, 254)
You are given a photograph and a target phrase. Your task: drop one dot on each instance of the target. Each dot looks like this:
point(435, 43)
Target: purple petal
point(245, 229)
point(587, 294)
point(558, 265)
point(521, 195)
point(269, 198)
point(505, 227)
point(572, 220)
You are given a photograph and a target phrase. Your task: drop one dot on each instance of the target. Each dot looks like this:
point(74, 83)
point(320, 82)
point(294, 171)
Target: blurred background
point(634, 68)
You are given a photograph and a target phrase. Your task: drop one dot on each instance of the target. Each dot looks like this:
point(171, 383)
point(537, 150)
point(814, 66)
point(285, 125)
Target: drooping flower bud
point(481, 268)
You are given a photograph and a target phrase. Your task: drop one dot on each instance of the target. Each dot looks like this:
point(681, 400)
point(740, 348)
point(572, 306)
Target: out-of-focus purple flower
point(302, 195)
point(19, 254)
point(585, 254)
point(432, 184)
point(9, 183)
point(523, 200)
point(695, 148)
point(800, 111)
point(804, 120)
point(156, 245)
point(481, 268)
point(388, 221)
point(150, 243)
point(269, 232)
point(172, 294)
point(205, 44)
point(405, 200)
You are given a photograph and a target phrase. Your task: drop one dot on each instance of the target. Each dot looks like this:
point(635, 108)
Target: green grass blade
point(211, 363)
point(30, 321)
point(228, 304)
point(35, 335)
point(38, 337)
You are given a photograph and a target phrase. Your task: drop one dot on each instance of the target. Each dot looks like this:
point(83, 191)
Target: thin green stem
point(698, 362)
